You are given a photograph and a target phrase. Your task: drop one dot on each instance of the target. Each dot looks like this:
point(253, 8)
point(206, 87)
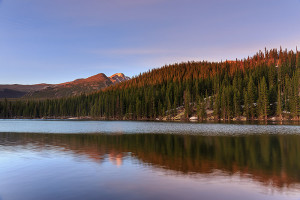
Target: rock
point(194, 118)
point(243, 118)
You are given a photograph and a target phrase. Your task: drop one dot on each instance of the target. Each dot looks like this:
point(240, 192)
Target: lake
point(69, 159)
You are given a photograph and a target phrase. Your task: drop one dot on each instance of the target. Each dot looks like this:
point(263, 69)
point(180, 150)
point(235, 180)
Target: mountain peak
point(118, 74)
point(118, 77)
point(97, 77)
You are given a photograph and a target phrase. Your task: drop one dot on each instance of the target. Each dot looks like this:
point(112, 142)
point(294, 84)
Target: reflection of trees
point(271, 159)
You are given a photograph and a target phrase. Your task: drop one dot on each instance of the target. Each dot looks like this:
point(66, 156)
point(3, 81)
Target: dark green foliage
point(202, 104)
point(279, 105)
point(187, 101)
point(263, 102)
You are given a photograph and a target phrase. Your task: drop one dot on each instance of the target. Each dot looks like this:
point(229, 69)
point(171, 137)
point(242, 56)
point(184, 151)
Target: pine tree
point(138, 107)
point(236, 104)
point(217, 106)
point(187, 101)
point(246, 105)
point(298, 60)
point(263, 102)
point(279, 106)
point(294, 96)
point(201, 109)
point(251, 95)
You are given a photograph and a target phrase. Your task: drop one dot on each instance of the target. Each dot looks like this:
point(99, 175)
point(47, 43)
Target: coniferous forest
point(265, 86)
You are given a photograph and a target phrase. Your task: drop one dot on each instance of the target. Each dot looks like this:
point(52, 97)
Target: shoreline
point(221, 121)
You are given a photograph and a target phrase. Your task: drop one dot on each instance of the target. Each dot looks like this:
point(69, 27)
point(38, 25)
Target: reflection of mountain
point(270, 159)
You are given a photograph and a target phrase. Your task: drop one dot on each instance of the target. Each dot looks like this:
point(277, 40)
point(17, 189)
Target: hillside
point(78, 86)
point(72, 88)
point(262, 87)
point(17, 91)
point(7, 93)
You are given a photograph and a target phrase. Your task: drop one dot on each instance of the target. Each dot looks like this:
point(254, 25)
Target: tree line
point(258, 87)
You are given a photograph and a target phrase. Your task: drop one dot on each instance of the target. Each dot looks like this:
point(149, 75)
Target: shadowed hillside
point(17, 91)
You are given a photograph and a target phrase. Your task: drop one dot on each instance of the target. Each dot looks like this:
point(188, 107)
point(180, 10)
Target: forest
point(262, 87)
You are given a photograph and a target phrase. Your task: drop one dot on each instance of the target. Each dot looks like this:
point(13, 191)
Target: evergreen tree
point(279, 106)
point(187, 101)
point(246, 105)
point(201, 109)
point(237, 104)
point(298, 60)
point(217, 106)
point(251, 96)
point(263, 102)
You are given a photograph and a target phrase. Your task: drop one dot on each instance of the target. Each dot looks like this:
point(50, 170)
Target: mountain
point(17, 91)
point(72, 88)
point(78, 86)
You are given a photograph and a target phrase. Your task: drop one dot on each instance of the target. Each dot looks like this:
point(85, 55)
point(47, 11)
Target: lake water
point(60, 159)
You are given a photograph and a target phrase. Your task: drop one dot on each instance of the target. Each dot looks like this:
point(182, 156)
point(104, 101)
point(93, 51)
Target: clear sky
point(55, 41)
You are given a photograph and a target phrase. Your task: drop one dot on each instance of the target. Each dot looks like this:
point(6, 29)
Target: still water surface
point(131, 127)
point(142, 160)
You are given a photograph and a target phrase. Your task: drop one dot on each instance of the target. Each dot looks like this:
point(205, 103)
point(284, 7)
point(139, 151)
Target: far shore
point(272, 120)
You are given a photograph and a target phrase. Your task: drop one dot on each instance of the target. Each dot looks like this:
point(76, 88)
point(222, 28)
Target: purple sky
point(55, 41)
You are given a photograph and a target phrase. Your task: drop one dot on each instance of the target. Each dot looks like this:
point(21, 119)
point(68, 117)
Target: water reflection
point(269, 159)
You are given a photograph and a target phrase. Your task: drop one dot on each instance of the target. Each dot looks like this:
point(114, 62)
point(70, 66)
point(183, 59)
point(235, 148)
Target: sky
point(53, 41)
